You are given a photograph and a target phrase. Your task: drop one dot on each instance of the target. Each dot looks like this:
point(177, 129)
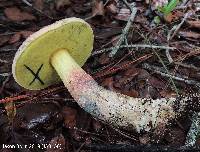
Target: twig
point(189, 66)
point(134, 46)
point(158, 70)
point(7, 50)
point(124, 66)
point(184, 2)
point(194, 130)
point(125, 30)
point(165, 67)
point(3, 61)
point(163, 64)
point(30, 5)
point(189, 13)
point(5, 74)
point(168, 56)
point(167, 50)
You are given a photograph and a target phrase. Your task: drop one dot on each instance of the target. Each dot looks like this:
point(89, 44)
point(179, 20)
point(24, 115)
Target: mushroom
point(57, 52)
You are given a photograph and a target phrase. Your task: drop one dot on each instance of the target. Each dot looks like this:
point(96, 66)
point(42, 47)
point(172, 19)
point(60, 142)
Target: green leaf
point(170, 7)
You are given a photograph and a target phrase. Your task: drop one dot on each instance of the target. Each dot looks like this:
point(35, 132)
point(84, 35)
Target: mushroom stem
point(115, 108)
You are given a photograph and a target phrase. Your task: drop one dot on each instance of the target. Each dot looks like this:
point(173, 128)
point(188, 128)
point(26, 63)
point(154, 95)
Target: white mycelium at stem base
point(115, 108)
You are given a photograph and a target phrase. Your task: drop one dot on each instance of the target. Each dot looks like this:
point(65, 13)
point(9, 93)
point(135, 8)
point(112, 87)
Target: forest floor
point(158, 57)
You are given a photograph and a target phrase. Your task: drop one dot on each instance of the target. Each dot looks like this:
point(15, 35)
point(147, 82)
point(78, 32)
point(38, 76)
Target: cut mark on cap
point(36, 75)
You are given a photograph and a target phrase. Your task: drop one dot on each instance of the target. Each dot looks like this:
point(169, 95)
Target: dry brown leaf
point(104, 59)
point(123, 15)
point(17, 36)
point(62, 3)
point(10, 110)
point(57, 144)
point(4, 39)
point(167, 94)
point(15, 14)
point(156, 83)
point(112, 8)
point(175, 137)
point(39, 4)
point(96, 125)
point(108, 82)
point(69, 115)
point(132, 72)
point(193, 35)
point(98, 8)
point(26, 34)
point(195, 24)
point(131, 93)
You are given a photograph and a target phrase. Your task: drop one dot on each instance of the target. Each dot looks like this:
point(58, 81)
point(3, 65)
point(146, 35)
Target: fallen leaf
point(128, 76)
point(15, 14)
point(193, 35)
point(167, 94)
point(132, 72)
point(173, 16)
point(156, 83)
point(10, 110)
point(15, 38)
point(98, 8)
point(175, 137)
point(57, 144)
point(145, 139)
point(39, 4)
point(4, 39)
point(96, 125)
point(143, 75)
point(112, 8)
point(195, 24)
point(104, 59)
point(131, 93)
point(26, 34)
point(69, 115)
point(108, 83)
point(62, 3)
point(123, 15)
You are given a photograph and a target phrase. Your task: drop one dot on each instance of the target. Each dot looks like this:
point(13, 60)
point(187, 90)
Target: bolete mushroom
point(62, 48)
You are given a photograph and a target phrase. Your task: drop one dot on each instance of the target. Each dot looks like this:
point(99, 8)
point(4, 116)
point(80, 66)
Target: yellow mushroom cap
point(31, 66)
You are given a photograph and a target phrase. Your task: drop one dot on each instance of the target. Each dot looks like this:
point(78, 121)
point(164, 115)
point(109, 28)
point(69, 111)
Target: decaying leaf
point(193, 35)
point(57, 144)
point(62, 3)
point(123, 15)
point(10, 110)
point(15, 14)
point(4, 39)
point(112, 8)
point(69, 115)
point(39, 4)
point(98, 8)
point(17, 36)
point(195, 24)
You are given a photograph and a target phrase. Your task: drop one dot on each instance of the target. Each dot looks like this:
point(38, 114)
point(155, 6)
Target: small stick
point(188, 14)
point(5, 74)
point(134, 46)
point(30, 5)
point(157, 70)
point(113, 70)
point(125, 30)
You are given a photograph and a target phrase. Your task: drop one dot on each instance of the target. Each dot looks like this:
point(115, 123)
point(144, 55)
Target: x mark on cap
point(36, 75)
